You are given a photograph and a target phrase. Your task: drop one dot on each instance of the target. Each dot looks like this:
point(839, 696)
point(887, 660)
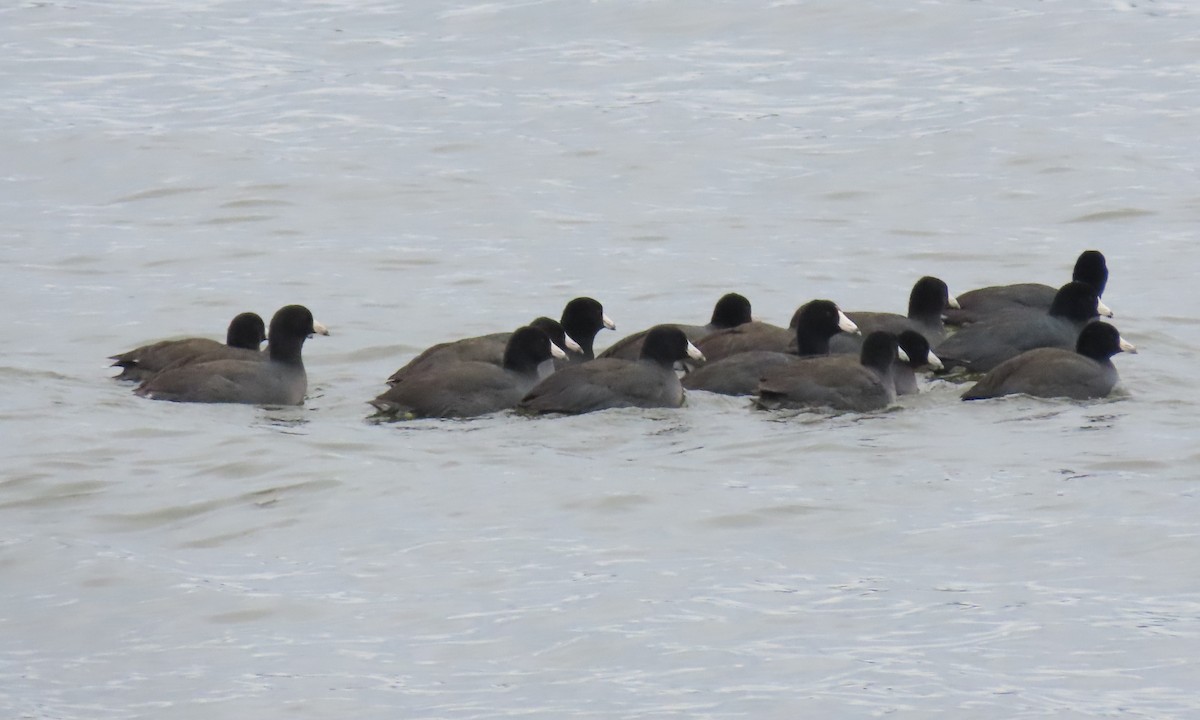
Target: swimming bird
point(928, 300)
point(920, 357)
point(459, 389)
point(582, 318)
point(245, 334)
point(839, 382)
point(975, 305)
point(483, 348)
point(759, 335)
point(1085, 373)
point(280, 380)
point(650, 381)
point(730, 311)
point(738, 374)
point(983, 345)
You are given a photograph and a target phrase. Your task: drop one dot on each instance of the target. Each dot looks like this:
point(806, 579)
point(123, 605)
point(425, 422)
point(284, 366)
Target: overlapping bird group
point(1027, 338)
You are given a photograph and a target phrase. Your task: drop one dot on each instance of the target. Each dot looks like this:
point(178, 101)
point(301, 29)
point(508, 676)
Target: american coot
point(472, 387)
point(730, 311)
point(278, 381)
point(840, 382)
point(738, 374)
point(484, 348)
point(582, 318)
point(927, 302)
point(977, 305)
point(981, 346)
point(1082, 374)
point(649, 381)
point(920, 357)
point(764, 336)
point(245, 334)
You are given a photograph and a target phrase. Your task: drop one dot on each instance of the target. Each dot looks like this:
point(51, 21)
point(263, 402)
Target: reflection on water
point(286, 420)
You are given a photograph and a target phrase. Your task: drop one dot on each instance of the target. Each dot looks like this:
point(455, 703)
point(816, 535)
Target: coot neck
point(585, 338)
point(286, 349)
point(811, 342)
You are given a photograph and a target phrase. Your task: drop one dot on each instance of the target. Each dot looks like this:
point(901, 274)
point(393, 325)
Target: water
point(426, 171)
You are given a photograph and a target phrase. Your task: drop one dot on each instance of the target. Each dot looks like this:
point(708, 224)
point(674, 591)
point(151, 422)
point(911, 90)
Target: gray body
point(737, 374)
point(630, 346)
point(465, 389)
point(1048, 373)
point(744, 338)
point(982, 303)
point(868, 322)
point(483, 348)
point(840, 382)
point(278, 380)
point(981, 346)
point(605, 383)
point(254, 382)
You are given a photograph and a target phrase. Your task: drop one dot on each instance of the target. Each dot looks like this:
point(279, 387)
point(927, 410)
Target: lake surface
point(417, 172)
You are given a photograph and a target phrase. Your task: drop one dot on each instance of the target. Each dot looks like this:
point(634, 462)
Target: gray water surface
point(416, 172)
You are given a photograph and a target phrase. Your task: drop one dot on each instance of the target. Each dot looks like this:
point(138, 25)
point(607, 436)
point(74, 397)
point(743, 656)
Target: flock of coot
point(1027, 338)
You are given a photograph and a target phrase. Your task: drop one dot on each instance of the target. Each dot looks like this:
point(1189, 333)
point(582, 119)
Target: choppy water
point(421, 171)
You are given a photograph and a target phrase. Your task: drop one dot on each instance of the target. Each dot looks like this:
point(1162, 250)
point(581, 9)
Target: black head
point(879, 351)
point(1100, 341)
point(1092, 269)
point(527, 348)
point(1076, 301)
point(666, 344)
point(553, 329)
point(730, 311)
point(916, 347)
point(582, 318)
point(815, 322)
point(929, 298)
point(290, 326)
point(246, 331)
